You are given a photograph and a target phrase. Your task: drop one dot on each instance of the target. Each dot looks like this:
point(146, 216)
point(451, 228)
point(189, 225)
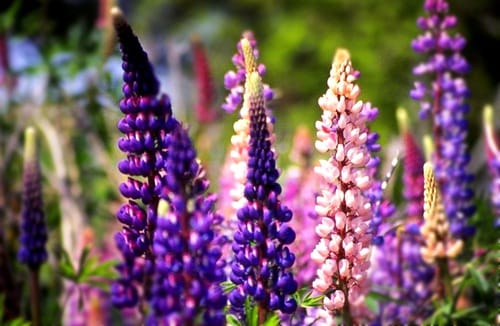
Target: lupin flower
point(146, 122)
point(439, 243)
point(234, 81)
point(493, 161)
point(188, 272)
point(343, 208)
point(204, 110)
point(404, 276)
point(413, 162)
point(234, 174)
point(262, 264)
point(445, 97)
point(33, 236)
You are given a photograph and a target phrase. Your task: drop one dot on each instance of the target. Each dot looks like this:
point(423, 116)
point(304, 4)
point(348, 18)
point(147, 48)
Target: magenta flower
point(204, 110)
point(493, 160)
point(342, 206)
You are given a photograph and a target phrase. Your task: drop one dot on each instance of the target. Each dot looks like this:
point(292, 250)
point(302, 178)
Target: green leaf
point(83, 259)
point(94, 268)
point(233, 320)
point(227, 286)
point(310, 301)
point(274, 320)
point(479, 279)
point(251, 313)
point(464, 312)
point(8, 17)
point(66, 267)
point(18, 322)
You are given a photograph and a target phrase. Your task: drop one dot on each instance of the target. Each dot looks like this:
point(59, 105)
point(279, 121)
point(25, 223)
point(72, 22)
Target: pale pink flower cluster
point(344, 211)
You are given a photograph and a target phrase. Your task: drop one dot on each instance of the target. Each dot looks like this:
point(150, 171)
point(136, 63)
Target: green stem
point(35, 296)
point(445, 279)
point(346, 310)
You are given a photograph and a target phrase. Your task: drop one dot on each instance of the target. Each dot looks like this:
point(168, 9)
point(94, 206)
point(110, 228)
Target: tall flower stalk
point(440, 245)
point(147, 119)
point(33, 238)
point(186, 283)
point(343, 207)
point(444, 96)
point(261, 270)
point(234, 174)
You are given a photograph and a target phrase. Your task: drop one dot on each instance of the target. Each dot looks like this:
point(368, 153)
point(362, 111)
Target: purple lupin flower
point(33, 236)
point(493, 161)
point(262, 260)
point(445, 97)
point(188, 272)
point(147, 120)
point(404, 276)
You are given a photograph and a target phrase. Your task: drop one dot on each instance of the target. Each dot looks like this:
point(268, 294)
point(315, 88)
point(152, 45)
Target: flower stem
point(346, 310)
point(445, 279)
point(35, 296)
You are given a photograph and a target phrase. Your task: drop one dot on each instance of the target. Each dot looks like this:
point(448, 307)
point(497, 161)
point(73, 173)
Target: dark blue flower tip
point(413, 228)
point(237, 297)
point(275, 301)
point(132, 215)
point(216, 298)
point(286, 284)
point(284, 215)
point(250, 286)
point(123, 294)
point(286, 258)
point(286, 234)
point(249, 192)
point(378, 240)
point(289, 306)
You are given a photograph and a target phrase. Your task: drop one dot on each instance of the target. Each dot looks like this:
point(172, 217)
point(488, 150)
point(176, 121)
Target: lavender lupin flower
point(445, 97)
point(262, 260)
point(188, 270)
point(147, 120)
point(33, 237)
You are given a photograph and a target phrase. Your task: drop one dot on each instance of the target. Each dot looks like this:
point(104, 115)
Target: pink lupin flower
point(343, 207)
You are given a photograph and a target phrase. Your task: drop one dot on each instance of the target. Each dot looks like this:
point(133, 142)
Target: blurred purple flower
point(445, 97)
point(188, 270)
point(33, 236)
